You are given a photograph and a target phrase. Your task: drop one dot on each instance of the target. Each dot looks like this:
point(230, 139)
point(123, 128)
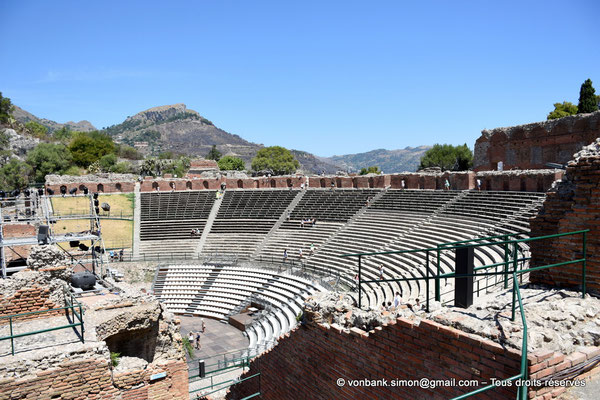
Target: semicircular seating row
point(396, 220)
point(215, 291)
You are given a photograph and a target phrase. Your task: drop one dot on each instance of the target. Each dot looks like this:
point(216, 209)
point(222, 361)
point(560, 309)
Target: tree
point(371, 170)
point(6, 109)
point(5, 151)
point(214, 154)
point(15, 175)
point(448, 157)
point(63, 134)
point(129, 152)
point(107, 162)
point(49, 158)
point(87, 147)
point(276, 158)
point(588, 101)
point(563, 109)
point(36, 129)
point(230, 163)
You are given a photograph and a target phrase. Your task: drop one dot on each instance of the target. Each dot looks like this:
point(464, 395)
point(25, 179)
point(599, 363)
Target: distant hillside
point(23, 116)
point(389, 161)
point(181, 130)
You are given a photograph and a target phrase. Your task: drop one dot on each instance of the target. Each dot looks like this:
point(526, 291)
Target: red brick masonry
point(93, 379)
point(575, 206)
point(307, 363)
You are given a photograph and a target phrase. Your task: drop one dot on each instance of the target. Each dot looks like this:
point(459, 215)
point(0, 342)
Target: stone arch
point(100, 188)
point(205, 184)
point(188, 185)
point(256, 184)
point(81, 187)
point(119, 187)
point(155, 185)
point(323, 182)
point(240, 184)
point(273, 183)
point(354, 183)
point(288, 182)
point(63, 189)
point(371, 183)
point(338, 182)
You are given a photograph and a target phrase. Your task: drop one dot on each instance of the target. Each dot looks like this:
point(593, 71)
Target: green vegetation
point(214, 154)
point(36, 129)
point(371, 170)
point(155, 167)
point(114, 358)
point(588, 102)
point(563, 109)
point(230, 163)
point(187, 346)
point(49, 158)
point(114, 130)
point(63, 134)
point(276, 158)
point(129, 152)
point(15, 175)
point(448, 157)
point(88, 147)
point(6, 109)
point(4, 152)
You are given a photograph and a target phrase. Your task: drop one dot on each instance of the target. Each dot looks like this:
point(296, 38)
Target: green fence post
point(584, 264)
point(505, 263)
point(514, 292)
point(437, 276)
point(81, 320)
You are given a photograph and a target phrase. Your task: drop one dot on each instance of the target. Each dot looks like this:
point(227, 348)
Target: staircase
point(208, 226)
point(280, 221)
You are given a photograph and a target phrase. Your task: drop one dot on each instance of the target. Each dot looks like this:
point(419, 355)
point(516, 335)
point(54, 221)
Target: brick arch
point(188, 185)
point(100, 188)
point(240, 184)
point(205, 184)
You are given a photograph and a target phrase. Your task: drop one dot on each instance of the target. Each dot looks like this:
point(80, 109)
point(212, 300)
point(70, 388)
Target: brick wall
point(575, 205)
point(34, 298)
point(308, 361)
point(534, 145)
point(510, 180)
point(93, 379)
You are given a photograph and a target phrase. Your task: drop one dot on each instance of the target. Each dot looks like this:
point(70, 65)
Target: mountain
point(389, 161)
point(181, 130)
point(23, 116)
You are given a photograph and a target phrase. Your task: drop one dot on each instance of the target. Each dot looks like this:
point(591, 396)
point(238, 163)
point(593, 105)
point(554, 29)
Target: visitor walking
point(479, 185)
point(198, 345)
point(381, 271)
point(285, 255)
point(447, 184)
point(191, 338)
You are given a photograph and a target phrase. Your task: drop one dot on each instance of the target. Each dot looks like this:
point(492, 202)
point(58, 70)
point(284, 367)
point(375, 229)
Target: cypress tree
point(588, 101)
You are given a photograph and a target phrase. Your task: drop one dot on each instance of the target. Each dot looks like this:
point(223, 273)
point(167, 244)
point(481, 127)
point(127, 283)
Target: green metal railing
point(226, 384)
point(242, 362)
point(73, 309)
point(505, 242)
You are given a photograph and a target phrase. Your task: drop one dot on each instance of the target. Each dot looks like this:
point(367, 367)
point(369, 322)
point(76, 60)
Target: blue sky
point(328, 77)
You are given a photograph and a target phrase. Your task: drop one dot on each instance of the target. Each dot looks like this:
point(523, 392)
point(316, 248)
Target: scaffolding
point(34, 208)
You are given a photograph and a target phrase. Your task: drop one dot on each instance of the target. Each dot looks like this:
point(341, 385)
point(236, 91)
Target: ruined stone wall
point(533, 145)
point(572, 205)
point(307, 363)
point(529, 180)
point(92, 378)
point(34, 298)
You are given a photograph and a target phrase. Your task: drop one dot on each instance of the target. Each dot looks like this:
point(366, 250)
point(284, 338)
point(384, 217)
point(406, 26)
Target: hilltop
point(389, 161)
point(24, 116)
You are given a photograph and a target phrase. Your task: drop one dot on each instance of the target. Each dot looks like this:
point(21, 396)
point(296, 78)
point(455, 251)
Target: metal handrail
point(73, 304)
point(516, 292)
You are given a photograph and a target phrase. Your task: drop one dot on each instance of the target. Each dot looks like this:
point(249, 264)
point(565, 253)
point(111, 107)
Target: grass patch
point(120, 204)
point(116, 233)
point(187, 346)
